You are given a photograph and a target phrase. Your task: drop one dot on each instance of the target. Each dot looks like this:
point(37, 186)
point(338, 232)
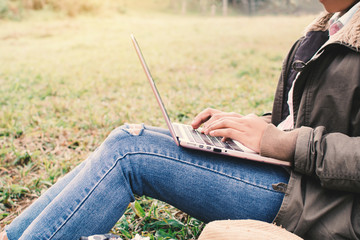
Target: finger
point(226, 133)
point(231, 134)
point(241, 123)
point(203, 117)
point(219, 116)
point(224, 139)
point(226, 122)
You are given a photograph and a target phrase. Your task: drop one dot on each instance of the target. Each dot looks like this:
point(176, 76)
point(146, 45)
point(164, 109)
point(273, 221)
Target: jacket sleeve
point(333, 158)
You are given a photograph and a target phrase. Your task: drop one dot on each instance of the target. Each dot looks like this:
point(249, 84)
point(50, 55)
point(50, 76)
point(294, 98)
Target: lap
point(206, 185)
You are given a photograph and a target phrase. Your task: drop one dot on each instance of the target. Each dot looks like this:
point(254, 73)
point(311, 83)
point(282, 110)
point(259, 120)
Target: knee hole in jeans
point(133, 129)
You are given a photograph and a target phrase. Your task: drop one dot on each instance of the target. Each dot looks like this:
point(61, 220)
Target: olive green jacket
point(322, 197)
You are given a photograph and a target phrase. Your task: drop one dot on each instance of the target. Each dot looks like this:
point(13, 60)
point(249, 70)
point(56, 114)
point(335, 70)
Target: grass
point(66, 83)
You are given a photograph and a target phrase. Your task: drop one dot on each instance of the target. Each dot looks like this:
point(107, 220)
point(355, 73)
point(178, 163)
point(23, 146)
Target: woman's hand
point(209, 115)
point(245, 129)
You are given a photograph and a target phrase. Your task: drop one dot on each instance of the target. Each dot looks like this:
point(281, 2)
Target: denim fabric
point(91, 198)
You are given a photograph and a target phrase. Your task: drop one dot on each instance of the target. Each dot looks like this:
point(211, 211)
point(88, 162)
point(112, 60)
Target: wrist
point(278, 144)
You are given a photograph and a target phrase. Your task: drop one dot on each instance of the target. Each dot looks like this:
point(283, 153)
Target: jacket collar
point(349, 35)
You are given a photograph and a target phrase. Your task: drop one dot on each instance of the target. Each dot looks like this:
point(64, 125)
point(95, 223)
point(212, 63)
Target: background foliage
point(18, 9)
point(66, 82)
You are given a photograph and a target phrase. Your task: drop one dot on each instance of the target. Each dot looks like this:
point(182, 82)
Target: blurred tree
point(225, 7)
point(184, 6)
point(204, 6)
point(248, 7)
point(251, 6)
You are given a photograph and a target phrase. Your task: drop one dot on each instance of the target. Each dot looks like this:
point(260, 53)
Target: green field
point(65, 83)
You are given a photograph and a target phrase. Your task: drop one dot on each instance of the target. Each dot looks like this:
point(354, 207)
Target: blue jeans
point(91, 198)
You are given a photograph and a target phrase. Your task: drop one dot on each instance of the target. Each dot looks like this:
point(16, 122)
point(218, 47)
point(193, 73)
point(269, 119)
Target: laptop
point(185, 136)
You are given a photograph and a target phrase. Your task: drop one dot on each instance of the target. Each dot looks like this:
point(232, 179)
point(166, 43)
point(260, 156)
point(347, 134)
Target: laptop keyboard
point(201, 138)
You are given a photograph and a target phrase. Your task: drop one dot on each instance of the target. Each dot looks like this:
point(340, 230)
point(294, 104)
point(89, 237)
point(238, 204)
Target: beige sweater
point(278, 144)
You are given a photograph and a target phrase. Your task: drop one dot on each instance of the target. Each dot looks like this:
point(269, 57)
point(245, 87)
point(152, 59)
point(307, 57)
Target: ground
point(65, 83)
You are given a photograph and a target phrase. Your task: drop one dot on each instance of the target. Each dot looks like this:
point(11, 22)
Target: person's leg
point(39, 205)
point(207, 186)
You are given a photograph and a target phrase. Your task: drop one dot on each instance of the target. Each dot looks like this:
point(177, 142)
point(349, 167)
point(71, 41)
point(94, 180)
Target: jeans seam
point(220, 173)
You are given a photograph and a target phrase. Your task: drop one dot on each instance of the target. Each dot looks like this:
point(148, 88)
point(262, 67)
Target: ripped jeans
point(92, 197)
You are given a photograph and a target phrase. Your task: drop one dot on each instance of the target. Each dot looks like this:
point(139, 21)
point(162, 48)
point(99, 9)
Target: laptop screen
point(154, 88)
